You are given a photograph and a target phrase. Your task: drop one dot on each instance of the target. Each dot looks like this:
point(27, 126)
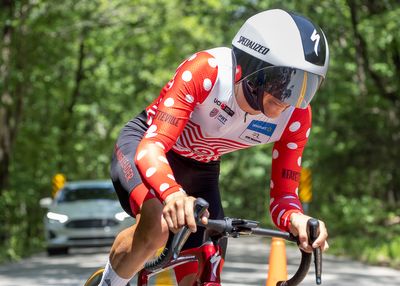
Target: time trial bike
point(208, 255)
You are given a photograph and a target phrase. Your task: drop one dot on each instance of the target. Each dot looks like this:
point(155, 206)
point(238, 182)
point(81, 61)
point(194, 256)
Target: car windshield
point(86, 193)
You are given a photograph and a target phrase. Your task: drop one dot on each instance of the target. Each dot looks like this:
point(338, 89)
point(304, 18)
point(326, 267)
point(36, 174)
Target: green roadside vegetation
point(73, 72)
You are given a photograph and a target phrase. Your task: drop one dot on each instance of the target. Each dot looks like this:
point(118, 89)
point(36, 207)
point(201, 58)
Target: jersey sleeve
point(168, 115)
point(286, 168)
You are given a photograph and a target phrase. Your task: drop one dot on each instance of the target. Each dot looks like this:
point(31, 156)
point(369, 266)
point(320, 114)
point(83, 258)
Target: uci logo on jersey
point(224, 107)
point(262, 127)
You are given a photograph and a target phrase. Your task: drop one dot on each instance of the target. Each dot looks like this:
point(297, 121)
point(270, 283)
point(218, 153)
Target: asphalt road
point(246, 264)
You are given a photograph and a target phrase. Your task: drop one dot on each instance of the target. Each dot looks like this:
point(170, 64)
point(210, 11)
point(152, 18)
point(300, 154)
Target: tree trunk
point(362, 56)
point(65, 124)
point(11, 92)
point(6, 100)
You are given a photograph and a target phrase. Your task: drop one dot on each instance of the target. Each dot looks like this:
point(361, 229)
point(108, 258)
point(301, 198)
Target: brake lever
point(200, 206)
point(313, 229)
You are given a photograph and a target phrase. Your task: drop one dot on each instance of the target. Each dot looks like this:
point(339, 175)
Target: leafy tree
point(73, 72)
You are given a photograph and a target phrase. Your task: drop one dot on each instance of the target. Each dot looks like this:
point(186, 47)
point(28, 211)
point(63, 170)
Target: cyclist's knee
point(152, 239)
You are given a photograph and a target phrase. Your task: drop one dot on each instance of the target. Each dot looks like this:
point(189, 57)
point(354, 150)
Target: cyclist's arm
point(168, 115)
point(286, 168)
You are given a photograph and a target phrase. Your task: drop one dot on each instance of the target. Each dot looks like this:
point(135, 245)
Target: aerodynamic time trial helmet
point(282, 53)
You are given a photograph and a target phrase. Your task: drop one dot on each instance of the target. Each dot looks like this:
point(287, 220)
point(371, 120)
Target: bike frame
point(208, 255)
point(209, 260)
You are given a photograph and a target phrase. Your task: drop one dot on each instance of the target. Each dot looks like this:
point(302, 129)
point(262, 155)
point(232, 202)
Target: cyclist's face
point(273, 107)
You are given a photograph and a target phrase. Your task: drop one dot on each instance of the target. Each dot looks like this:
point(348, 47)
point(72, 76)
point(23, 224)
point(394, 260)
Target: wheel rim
point(95, 279)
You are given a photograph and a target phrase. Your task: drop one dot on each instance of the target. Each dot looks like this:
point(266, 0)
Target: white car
point(83, 213)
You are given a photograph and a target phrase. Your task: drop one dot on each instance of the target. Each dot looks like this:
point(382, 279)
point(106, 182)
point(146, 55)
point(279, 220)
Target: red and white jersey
point(196, 115)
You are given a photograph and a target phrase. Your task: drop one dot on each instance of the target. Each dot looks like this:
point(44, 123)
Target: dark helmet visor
point(290, 85)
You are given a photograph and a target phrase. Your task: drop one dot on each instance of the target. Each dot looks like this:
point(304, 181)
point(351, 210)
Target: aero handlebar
point(234, 228)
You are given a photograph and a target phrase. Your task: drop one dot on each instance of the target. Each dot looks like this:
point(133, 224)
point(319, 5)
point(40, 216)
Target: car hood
point(88, 209)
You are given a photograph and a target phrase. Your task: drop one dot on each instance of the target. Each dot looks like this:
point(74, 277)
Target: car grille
point(91, 238)
point(91, 223)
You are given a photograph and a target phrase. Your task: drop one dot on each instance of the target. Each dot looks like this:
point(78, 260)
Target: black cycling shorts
point(198, 179)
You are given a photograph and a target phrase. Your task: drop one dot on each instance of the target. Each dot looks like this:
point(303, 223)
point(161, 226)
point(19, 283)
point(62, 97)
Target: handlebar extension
point(176, 242)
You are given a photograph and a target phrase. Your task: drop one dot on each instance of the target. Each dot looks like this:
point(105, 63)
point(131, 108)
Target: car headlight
point(58, 217)
point(121, 216)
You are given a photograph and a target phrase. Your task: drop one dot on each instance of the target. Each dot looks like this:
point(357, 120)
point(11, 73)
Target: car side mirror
point(45, 202)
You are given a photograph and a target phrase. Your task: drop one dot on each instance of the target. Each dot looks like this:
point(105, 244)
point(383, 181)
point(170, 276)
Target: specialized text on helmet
point(253, 45)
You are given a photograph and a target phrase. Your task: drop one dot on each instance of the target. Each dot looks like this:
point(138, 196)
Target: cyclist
point(219, 100)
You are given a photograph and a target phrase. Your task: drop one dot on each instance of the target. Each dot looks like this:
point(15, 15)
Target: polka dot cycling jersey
point(197, 116)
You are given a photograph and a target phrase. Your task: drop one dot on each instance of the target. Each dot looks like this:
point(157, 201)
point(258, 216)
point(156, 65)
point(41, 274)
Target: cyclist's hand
point(298, 227)
point(178, 212)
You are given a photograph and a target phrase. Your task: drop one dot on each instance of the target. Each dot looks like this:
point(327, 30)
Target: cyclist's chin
point(273, 111)
point(272, 114)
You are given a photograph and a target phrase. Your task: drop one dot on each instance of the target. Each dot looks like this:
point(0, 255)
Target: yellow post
point(57, 182)
point(277, 269)
point(164, 278)
point(305, 188)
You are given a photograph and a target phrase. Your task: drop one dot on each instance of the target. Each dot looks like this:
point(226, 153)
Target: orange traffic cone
point(277, 270)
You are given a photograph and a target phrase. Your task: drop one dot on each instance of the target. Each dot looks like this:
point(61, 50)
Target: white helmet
point(281, 53)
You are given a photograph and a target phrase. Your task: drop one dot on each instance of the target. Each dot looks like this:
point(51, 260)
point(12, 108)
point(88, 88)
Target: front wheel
point(95, 278)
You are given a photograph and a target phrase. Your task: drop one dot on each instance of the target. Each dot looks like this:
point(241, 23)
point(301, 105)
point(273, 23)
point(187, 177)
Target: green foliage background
point(73, 72)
